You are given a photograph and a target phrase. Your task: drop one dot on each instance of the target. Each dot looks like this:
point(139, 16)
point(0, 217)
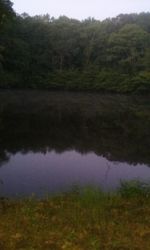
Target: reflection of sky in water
point(36, 122)
point(53, 172)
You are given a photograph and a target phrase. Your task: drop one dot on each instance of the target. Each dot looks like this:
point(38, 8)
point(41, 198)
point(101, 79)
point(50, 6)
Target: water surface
point(50, 141)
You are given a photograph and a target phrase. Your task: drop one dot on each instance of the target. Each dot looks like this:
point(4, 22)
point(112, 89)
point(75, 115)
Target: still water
point(51, 141)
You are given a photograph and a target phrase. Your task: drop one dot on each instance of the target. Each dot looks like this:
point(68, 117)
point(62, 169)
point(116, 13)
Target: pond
point(53, 141)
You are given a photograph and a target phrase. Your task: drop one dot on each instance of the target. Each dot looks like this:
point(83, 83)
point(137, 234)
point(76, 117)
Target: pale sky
point(81, 9)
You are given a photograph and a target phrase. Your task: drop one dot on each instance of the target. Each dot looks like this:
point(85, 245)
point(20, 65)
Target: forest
point(44, 52)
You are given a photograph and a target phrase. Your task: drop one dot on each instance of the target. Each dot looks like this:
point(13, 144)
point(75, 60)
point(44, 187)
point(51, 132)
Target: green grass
point(84, 219)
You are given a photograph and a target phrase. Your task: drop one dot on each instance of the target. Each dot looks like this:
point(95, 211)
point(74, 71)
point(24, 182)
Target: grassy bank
point(81, 220)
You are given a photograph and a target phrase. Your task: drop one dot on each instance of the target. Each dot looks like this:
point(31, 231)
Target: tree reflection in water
point(113, 126)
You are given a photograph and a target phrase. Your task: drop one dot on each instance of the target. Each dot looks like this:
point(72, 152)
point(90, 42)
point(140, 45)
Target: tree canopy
point(64, 53)
point(6, 10)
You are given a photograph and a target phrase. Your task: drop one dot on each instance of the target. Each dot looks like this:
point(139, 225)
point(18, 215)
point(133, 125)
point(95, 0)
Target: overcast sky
point(81, 9)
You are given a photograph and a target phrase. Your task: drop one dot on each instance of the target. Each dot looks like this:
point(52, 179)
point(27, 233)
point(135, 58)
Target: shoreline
point(78, 221)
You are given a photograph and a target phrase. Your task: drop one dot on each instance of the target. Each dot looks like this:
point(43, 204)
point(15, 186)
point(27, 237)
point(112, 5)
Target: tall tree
point(6, 10)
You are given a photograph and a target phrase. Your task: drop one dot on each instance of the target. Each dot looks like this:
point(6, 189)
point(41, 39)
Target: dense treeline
point(64, 53)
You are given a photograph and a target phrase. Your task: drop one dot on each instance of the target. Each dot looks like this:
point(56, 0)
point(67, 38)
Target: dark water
point(51, 141)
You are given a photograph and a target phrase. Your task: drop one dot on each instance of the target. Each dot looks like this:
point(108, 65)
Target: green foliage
point(44, 52)
point(6, 10)
point(134, 188)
